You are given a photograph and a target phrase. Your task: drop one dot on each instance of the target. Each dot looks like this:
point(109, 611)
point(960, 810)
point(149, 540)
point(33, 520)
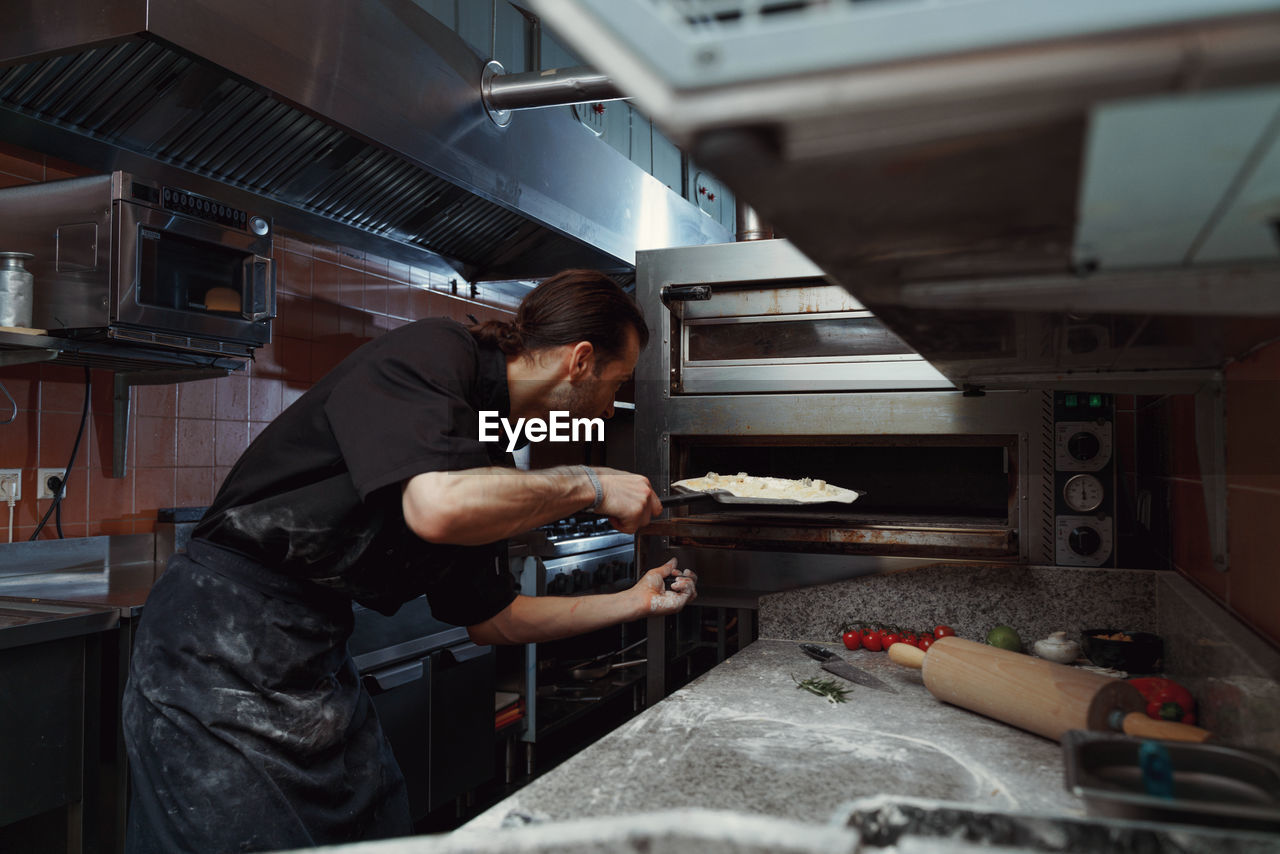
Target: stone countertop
point(743, 738)
point(741, 762)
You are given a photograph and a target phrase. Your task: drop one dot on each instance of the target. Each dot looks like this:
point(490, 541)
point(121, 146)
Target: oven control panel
point(1084, 479)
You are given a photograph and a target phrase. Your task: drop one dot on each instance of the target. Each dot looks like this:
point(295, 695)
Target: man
point(246, 725)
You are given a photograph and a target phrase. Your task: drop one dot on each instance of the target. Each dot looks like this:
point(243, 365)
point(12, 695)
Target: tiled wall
point(1168, 468)
point(184, 438)
point(1253, 489)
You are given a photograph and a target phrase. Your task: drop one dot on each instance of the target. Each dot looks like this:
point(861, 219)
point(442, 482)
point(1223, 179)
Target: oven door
point(781, 338)
point(177, 276)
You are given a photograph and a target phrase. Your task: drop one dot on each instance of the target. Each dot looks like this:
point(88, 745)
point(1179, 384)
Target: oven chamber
point(757, 363)
point(133, 261)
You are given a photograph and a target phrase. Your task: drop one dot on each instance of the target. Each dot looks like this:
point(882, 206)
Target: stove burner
point(574, 527)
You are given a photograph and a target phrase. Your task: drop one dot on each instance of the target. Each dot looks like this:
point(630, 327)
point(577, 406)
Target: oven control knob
point(558, 585)
point(1083, 446)
point(259, 226)
point(579, 580)
point(1084, 540)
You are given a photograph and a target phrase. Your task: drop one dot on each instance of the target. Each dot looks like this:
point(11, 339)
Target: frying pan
point(590, 661)
point(685, 494)
point(587, 674)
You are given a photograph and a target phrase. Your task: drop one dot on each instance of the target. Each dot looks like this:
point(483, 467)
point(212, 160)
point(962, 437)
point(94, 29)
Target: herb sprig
point(832, 690)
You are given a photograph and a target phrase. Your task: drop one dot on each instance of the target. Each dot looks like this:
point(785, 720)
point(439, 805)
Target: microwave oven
point(124, 259)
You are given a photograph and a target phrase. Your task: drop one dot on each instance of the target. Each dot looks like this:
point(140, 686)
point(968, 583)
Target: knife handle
point(816, 652)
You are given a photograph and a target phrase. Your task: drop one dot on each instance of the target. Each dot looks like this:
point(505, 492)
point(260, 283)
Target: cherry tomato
point(910, 637)
point(944, 632)
point(925, 643)
point(926, 637)
point(871, 641)
point(852, 639)
point(889, 639)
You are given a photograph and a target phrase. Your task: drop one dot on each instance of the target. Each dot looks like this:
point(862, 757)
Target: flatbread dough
point(744, 485)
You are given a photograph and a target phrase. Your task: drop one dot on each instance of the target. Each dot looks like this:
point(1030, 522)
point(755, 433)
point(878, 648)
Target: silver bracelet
point(595, 481)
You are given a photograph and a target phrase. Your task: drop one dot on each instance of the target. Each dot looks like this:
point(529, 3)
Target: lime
point(1004, 637)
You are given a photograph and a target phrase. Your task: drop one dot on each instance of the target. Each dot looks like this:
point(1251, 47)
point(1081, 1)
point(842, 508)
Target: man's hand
point(629, 501)
point(658, 598)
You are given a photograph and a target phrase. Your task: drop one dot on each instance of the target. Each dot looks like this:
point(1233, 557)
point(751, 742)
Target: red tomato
point(852, 639)
point(926, 637)
point(944, 632)
point(910, 637)
point(925, 643)
point(871, 641)
point(889, 639)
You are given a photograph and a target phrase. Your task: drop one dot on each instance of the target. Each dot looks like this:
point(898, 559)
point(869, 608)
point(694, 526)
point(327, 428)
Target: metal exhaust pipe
point(555, 87)
point(750, 226)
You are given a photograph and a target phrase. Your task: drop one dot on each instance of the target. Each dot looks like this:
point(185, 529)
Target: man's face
point(590, 389)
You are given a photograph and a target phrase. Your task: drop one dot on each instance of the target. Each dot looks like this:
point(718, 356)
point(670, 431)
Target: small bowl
point(1142, 654)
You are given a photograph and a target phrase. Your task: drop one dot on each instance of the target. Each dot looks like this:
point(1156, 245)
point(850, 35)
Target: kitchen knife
point(833, 663)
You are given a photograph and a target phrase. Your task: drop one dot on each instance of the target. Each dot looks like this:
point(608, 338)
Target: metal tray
point(1212, 784)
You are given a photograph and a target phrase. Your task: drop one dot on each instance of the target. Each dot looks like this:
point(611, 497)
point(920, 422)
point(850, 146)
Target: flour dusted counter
point(743, 738)
point(741, 762)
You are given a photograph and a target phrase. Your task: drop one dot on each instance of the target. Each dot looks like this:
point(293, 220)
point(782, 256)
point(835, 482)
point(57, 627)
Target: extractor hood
point(1029, 192)
point(361, 123)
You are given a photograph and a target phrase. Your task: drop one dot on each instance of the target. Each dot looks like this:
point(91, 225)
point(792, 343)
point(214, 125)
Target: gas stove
point(578, 554)
point(571, 536)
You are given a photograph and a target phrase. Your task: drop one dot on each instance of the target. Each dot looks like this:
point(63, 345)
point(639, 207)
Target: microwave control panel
point(1084, 479)
point(187, 203)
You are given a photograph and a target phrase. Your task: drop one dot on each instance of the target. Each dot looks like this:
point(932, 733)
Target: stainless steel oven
point(756, 364)
point(122, 258)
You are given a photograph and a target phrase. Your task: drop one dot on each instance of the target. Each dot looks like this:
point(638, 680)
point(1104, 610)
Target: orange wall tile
point(183, 439)
point(1250, 587)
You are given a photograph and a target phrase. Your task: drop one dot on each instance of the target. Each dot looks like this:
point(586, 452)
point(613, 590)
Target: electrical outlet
point(10, 484)
point(42, 482)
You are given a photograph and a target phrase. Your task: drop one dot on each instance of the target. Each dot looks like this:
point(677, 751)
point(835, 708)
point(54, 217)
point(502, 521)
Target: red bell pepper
point(1166, 699)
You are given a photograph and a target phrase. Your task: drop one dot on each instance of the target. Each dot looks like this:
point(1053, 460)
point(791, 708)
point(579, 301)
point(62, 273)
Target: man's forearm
point(536, 619)
point(485, 505)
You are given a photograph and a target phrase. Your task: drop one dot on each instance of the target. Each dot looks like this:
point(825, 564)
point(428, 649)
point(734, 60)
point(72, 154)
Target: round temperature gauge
point(1083, 493)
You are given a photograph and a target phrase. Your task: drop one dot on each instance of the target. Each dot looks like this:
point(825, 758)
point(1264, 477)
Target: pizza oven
point(757, 364)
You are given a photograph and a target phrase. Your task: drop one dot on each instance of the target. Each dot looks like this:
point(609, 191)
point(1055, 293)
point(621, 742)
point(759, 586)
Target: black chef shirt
point(317, 495)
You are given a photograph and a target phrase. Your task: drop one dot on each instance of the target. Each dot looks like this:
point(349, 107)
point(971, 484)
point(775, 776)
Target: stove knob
point(579, 580)
point(558, 586)
point(1084, 540)
point(1083, 446)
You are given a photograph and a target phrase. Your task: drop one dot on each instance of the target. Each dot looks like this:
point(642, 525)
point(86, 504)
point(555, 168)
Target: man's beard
point(573, 399)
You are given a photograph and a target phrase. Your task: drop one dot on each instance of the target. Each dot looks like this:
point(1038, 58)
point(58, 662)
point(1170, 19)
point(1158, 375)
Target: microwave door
point(180, 276)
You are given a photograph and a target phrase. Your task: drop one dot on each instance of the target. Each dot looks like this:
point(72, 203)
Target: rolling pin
point(1033, 694)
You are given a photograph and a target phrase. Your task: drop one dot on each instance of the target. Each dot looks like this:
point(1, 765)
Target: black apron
point(246, 725)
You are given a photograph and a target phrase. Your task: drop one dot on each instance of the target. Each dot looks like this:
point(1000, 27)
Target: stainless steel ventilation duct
point(1028, 192)
point(362, 123)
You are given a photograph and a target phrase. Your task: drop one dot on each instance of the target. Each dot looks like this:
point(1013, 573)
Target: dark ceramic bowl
point(1142, 654)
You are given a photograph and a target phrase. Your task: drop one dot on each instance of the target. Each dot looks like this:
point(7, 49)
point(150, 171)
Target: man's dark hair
point(571, 306)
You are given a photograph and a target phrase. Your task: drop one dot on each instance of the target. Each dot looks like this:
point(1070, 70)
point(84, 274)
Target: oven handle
point(393, 677)
point(684, 293)
point(259, 294)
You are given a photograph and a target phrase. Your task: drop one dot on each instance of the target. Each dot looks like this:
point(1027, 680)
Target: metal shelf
point(132, 365)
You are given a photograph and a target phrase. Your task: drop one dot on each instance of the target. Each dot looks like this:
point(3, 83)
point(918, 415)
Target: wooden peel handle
point(907, 655)
point(1139, 725)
